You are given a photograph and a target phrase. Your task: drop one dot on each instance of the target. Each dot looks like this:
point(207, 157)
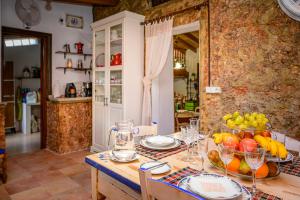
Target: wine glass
point(255, 158)
point(187, 138)
point(226, 154)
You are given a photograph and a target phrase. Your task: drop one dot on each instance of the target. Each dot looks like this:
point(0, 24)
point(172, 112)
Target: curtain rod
point(197, 7)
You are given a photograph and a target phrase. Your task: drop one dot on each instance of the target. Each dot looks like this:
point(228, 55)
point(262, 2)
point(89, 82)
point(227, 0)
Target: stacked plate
point(214, 186)
point(123, 155)
point(160, 142)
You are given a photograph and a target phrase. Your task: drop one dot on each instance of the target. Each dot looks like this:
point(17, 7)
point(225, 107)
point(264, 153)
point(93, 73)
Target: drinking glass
point(187, 138)
point(194, 129)
point(226, 154)
point(255, 158)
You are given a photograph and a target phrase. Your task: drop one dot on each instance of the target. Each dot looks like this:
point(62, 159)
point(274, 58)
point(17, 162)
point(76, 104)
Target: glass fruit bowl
point(238, 167)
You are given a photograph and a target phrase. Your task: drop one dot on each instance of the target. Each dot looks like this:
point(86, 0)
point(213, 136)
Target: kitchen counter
point(69, 124)
point(70, 100)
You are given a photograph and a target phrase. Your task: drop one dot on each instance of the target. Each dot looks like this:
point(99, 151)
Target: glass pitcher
point(121, 136)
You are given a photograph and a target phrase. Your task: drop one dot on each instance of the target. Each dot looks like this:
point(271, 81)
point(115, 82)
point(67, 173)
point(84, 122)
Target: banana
point(273, 148)
point(261, 141)
point(282, 152)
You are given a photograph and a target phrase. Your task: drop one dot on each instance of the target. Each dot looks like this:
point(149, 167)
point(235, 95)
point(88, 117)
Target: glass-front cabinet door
point(100, 66)
point(116, 86)
point(116, 77)
point(116, 43)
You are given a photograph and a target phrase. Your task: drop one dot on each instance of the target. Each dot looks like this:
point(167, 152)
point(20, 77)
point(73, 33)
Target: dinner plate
point(159, 170)
point(123, 157)
point(176, 144)
point(246, 195)
point(214, 186)
point(160, 140)
point(288, 158)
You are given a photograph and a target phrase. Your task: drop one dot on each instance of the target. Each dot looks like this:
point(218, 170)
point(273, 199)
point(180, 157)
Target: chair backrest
point(197, 109)
point(157, 190)
point(146, 130)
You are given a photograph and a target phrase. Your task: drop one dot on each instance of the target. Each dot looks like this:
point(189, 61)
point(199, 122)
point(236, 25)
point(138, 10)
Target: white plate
point(160, 140)
point(122, 157)
point(288, 158)
point(246, 195)
point(214, 186)
point(175, 145)
point(160, 170)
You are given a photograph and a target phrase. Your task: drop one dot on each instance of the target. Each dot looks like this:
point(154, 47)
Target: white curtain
point(158, 42)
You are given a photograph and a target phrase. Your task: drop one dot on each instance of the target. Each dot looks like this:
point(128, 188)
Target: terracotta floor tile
point(83, 179)
point(75, 169)
point(21, 185)
point(3, 193)
point(60, 185)
point(74, 194)
point(38, 193)
point(44, 175)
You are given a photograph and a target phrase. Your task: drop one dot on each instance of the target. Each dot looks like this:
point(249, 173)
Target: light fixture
point(20, 42)
point(178, 65)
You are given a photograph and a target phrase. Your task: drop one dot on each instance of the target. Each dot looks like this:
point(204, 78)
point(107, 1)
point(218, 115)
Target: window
point(20, 42)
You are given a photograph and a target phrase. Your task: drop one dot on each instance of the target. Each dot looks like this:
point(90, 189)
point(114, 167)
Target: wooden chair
point(182, 119)
point(146, 130)
point(157, 190)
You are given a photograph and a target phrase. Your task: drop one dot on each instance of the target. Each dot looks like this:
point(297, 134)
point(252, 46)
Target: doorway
point(186, 74)
point(26, 83)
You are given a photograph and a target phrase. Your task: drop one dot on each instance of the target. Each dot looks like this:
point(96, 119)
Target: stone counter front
point(69, 126)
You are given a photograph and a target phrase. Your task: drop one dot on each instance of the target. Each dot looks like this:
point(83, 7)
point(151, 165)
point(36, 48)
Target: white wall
point(60, 35)
point(192, 58)
point(22, 57)
point(162, 98)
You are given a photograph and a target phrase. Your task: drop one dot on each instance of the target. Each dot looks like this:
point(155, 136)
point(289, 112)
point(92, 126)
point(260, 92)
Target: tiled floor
point(22, 143)
point(43, 175)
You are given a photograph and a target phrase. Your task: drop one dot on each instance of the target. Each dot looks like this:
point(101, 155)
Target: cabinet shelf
point(75, 69)
point(74, 53)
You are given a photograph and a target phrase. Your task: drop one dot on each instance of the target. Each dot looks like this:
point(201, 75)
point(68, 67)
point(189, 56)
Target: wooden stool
point(3, 165)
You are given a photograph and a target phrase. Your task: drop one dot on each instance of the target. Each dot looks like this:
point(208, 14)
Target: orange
point(263, 171)
point(234, 165)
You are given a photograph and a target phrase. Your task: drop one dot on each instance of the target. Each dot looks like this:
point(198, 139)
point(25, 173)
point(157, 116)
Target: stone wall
point(255, 57)
point(69, 126)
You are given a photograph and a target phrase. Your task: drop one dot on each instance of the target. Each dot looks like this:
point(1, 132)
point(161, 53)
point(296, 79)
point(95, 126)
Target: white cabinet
point(118, 69)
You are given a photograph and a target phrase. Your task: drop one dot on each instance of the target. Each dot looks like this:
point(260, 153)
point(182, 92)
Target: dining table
point(114, 180)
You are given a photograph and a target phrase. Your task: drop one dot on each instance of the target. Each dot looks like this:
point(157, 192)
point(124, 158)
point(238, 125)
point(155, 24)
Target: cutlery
point(156, 166)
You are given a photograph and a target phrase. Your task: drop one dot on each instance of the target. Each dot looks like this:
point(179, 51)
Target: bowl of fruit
point(252, 140)
point(247, 121)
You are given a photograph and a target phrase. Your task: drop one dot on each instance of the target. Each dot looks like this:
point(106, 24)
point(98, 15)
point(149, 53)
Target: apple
point(250, 144)
point(231, 141)
point(245, 134)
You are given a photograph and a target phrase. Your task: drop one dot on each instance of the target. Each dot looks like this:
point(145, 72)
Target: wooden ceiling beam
point(91, 2)
point(192, 37)
point(187, 45)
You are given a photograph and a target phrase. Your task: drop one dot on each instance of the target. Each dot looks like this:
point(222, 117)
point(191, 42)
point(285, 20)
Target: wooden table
point(121, 180)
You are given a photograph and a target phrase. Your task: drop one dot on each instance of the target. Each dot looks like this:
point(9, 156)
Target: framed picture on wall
point(74, 21)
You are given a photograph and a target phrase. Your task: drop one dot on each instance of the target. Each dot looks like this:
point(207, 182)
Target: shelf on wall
point(75, 69)
point(74, 53)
